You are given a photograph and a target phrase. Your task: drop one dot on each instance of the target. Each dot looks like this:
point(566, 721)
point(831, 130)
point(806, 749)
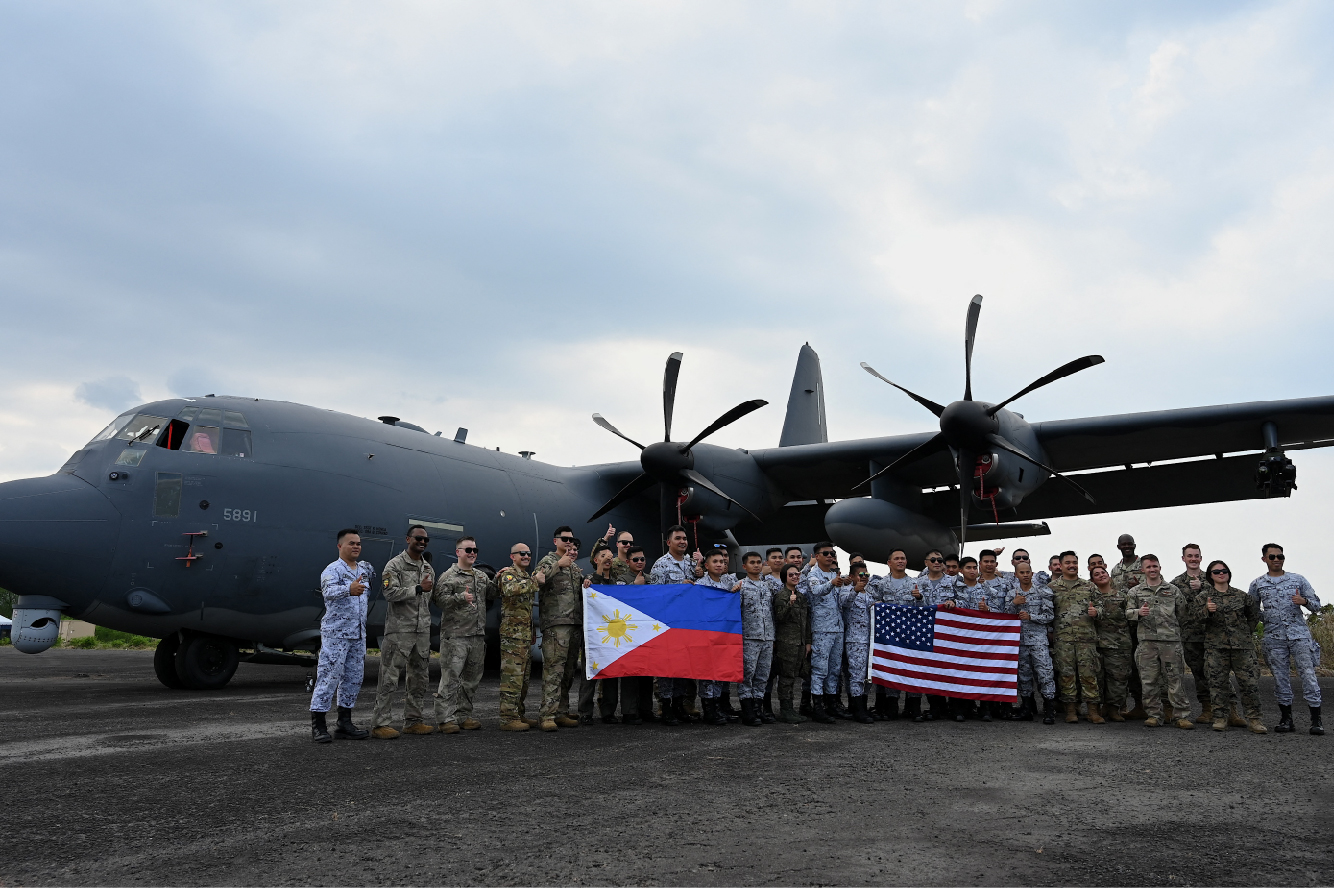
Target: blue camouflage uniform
point(996, 590)
point(709, 689)
point(969, 596)
point(1034, 651)
point(342, 663)
point(826, 629)
point(857, 633)
point(934, 591)
point(668, 570)
point(757, 629)
point(1287, 640)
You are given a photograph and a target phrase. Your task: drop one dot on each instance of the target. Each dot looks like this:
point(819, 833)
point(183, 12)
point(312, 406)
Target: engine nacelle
point(875, 527)
point(35, 628)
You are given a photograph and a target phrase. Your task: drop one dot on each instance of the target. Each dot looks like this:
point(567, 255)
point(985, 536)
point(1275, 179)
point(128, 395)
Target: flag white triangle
point(613, 628)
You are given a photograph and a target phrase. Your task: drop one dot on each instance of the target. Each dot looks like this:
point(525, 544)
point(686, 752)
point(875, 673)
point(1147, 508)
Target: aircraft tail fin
point(805, 421)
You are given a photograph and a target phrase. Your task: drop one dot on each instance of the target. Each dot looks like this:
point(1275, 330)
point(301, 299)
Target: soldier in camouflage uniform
point(1075, 653)
point(1159, 608)
point(1126, 575)
point(560, 609)
point(517, 590)
point(1032, 602)
point(461, 594)
point(896, 588)
point(1192, 583)
point(675, 567)
point(821, 587)
point(757, 645)
point(1287, 638)
point(934, 587)
point(792, 640)
point(1114, 646)
point(406, 643)
point(1230, 617)
point(342, 662)
point(857, 600)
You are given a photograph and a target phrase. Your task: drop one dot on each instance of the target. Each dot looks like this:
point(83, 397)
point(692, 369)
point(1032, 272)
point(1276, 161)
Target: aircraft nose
point(57, 538)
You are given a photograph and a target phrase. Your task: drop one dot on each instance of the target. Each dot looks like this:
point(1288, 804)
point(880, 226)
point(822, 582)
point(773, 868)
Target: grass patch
point(112, 639)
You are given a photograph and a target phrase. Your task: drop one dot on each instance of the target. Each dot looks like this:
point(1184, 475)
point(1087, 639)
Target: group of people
point(1123, 634)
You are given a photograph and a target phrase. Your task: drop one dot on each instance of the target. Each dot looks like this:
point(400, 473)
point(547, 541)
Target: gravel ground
point(110, 778)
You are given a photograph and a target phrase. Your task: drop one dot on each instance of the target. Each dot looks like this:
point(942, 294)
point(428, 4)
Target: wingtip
point(675, 356)
point(977, 300)
point(1097, 359)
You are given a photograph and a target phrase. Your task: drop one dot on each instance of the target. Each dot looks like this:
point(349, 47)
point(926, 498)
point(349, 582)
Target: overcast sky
point(504, 216)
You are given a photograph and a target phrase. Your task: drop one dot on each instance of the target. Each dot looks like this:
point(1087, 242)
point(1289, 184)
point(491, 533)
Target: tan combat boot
point(513, 725)
point(1235, 720)
point(384, 732)
point(1220, 723)
point(471, 724)
point(1168, 713)
point(1071, 713)
point(1206, 712)
point(1185, 724)
point(1255, 726)
point(1095, 714)
point(1153, 721)
point(419, 729)
point(549, 724)
point(530, 721)
point(564, 721)
point(449, 728)
point(1136, 713)
point(1113, 713)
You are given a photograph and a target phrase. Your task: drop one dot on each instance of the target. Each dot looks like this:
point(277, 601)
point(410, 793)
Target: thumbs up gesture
point(1093, 609)
point(1209, 603)
point(1144, 609)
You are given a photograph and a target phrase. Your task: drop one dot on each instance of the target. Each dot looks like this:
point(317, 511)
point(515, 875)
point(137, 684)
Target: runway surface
point(110, 778)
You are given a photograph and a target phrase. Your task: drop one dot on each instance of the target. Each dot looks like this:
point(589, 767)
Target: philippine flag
point(677, 631)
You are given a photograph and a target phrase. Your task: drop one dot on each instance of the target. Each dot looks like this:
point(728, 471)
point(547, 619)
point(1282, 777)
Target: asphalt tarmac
point(108, 778)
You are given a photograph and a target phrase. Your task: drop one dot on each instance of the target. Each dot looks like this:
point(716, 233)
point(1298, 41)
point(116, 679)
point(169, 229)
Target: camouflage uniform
point(1229, 646)
point(1287, 638)
point(893, 591)
point(757, 629)
point(1126, 577)
point(1034, 652)
point(934, 591)
point(1075, 653)
point(462, 640)
point(561, 612)
point(517, 589)
point(667, 570)
point(857, 633)
point(622, 572)
point(826, 629)
point(792, 632)
point(1192, 636)
point(1159, 652)
point(969, 596)
point(342, 662)
point(1114, 646)
point(406, 643)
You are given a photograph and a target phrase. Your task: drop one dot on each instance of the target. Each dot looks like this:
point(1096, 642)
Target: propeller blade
point(696, 478)
point(629, 491)
point(1000, 442)
point(925, 402)
point(965, 462)
point(921, 450)
point(597, 418)
point(669, 391)
point(1069, 369)
point(970, 334)
point(726, 420)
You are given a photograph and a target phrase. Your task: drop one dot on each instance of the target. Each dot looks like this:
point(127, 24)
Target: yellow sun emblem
point(616, 627)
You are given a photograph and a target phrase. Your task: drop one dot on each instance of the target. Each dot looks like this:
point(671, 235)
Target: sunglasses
point(1019, 558)
point(422, 540)
point(523, 554)
point(566, 539)
point(1275, 557)
point(625, 542)
point(862, 576)
point(639, 560)
point(827, 553)
point(469, 550)
point(1219, 571)
point(935, 560)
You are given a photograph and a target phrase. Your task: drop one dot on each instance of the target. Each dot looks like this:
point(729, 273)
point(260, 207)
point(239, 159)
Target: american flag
point(953, 653)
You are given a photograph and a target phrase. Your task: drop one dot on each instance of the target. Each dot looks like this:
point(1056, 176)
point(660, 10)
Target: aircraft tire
point(206, 662)
point(164, 662)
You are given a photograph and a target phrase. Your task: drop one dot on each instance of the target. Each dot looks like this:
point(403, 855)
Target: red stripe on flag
point(682, 653)
point(898, 656)
point(946, 677)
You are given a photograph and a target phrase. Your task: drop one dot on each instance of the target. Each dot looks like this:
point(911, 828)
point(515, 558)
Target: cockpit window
point(188, 414)
point(210, 415)
point(234, 419)
point(235, 442)
point(202, 439)
point(141, 428)
point(113, 427)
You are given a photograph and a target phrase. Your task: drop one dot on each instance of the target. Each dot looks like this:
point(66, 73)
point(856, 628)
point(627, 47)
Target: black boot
point(711, 714)
point(834, 704)
point(1048, 711)
point(923, 713)
point(912, 708)
point(750, 714)
point(805, 708)
point(764, 711)
point(1316, 727)
point(818, 712)
point(319, 731)
point(1284, 725)
point(679, 710)
point(725, 708)
point(668, 716)
point(1024, 713)
point(986, 708)
point(885, 705)
point(938, 708)
point(345, 729)
point(859, 710)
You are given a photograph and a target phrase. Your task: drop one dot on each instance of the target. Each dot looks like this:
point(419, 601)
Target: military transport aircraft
point(206, 521)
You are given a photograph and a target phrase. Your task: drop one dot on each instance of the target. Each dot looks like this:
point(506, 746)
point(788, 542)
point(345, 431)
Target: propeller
point(667, 463)
point(969, 428)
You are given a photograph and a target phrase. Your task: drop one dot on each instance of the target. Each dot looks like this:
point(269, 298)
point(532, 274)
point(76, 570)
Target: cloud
point(191, 382)
point(110, 393)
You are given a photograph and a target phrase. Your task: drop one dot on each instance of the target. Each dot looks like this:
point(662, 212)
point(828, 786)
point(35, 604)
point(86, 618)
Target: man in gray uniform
point(461, 594)
point(821, 587)
point(894, 588)
point(406, 644)
point(1287, 638)
point(342, 663)
point(1032, 602)
point(675, 567)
